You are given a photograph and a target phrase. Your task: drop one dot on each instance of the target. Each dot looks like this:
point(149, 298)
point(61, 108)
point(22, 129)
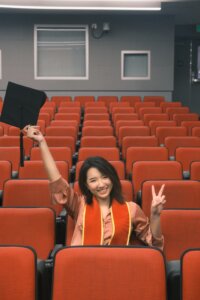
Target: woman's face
point(99, 184)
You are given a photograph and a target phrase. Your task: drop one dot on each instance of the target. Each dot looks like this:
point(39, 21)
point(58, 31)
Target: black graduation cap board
point(21, 107)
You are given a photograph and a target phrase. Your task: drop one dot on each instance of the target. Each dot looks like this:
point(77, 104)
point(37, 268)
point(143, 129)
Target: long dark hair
point(105, 168)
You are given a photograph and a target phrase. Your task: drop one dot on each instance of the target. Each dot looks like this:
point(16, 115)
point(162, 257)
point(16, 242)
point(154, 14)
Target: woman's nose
point(100, 182)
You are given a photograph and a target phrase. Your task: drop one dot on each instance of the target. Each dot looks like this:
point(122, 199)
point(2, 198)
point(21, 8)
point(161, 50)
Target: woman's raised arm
point(49, 163)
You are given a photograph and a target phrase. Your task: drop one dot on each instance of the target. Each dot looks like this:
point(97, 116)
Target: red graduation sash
point(93, 224)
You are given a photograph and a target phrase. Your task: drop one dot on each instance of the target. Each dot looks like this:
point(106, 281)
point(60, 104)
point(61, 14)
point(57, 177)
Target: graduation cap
point(21, 107)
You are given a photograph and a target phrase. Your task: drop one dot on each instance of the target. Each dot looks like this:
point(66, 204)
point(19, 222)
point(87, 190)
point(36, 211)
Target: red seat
point(185, 155)
point(195, 170)
point(155, 99)
point(177, 110)
point(165, 105)
point(189, 125)
point(173, 142)
point(138, 141)
point(84, 99)
point(130, 99)
point(190, 274)
point(58, 153)
point(29, 193)
point(138, 267)
point(148, 118)
point(179, 118)
point(34, 169)
point(165, 131)
point(181, 229)
point(97, 116)
point(18, 273)
point(109, 153)
point(131, 123)
point(154, 170)
point(158, 123)
point(134, 154)
point(178, 194)
point(107, 99)
point(98, 141)
point(97, 131)
point(132, 131)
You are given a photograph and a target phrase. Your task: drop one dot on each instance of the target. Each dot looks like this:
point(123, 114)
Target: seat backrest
point(154, 170)
point(96, 110)
point(153, 124)
point(117, 164)
point(156, 99)
point(163, 132)
point(195, 170)
point(5, 171)
point(46, 117)
point(97, 131)
point(122, 110)
point(185, 155)
point(58, 153)
point(69, 104)
point(98, 141)
point(149, 110)
point(75, 109)
point(61, 131)
point(147, 118)
point(173, 142)
point(28, 192)
point(14, 141)
point(34, 169)
point(118, 104)
point(181, 229)
point(68, 116)
point(189, 125)
point(132, 131)
point(196, 131)
point(190, 274)
point(34, 227)
point(121, 123)
point(177, 110)
point(97, 123)
point(136, 273)
point(138, 141)
point(59, 99)
point(61, 141)
point(121, 116)
point(18, 273)
point(130, 99)
point(109, 153)
point(165, 105)
point(178, 194)
point(95, 104)
point(107, 99)
point(11, 154)
point(134, 154)
point(143, 104)
point(84, 99)
point(185, 117)
point(96, 116)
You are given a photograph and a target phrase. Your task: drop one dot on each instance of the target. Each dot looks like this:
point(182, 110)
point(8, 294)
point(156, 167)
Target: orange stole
point(93, 224)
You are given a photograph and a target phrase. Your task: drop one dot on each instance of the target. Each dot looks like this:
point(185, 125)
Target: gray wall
point(128, 32)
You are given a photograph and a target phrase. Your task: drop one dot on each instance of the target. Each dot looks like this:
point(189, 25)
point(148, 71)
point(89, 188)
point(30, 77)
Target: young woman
point(102, 215)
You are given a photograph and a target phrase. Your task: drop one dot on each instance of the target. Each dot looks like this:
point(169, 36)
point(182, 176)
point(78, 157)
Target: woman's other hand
point(158, 201)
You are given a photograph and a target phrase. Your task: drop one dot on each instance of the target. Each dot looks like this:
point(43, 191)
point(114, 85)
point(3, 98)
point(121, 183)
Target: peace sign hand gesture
point(158, 201)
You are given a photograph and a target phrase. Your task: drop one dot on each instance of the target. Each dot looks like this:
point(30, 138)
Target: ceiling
point(184, 11)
